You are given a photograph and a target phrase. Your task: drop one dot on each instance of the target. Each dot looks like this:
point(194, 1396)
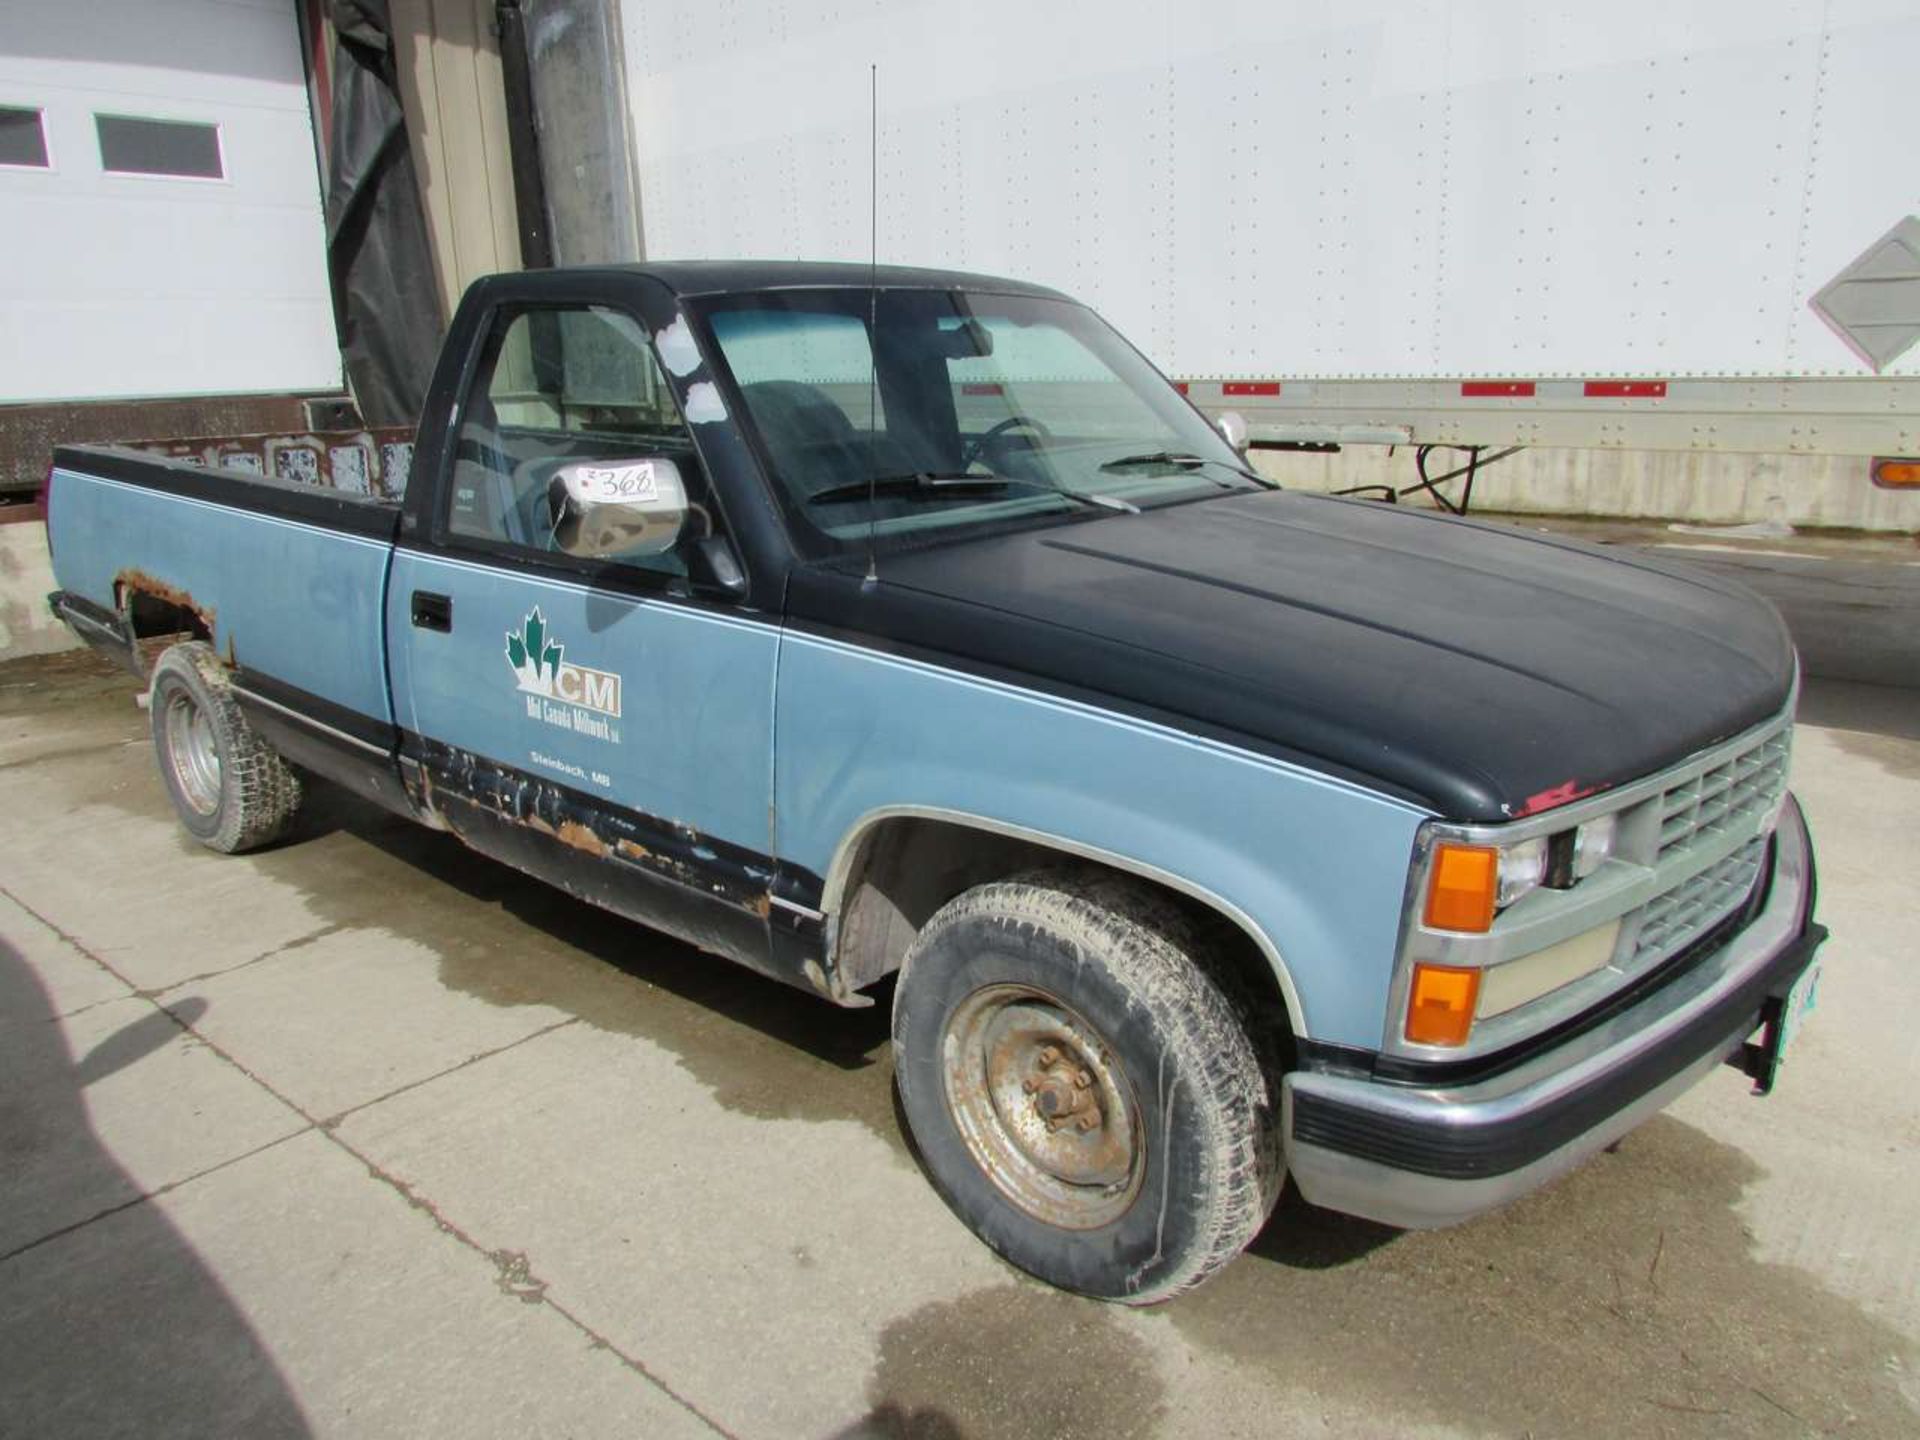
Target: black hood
point(1483, 671)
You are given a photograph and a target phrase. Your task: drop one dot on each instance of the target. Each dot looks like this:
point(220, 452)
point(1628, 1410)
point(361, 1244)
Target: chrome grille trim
point(1672, 921)
point(1724, 797)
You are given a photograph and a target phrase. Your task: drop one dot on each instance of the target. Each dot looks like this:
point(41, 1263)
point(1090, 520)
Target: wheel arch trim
point(848, 852)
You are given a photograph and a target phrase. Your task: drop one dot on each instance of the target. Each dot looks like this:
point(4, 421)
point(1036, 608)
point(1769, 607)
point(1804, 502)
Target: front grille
point(1702, 816)
point(1727, 799)
point(1671, 922)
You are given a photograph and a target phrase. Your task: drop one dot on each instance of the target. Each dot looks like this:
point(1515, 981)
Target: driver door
point(604, 723)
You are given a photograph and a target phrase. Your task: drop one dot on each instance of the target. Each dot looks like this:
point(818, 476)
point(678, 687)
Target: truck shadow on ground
point(115, 1326)
point(764, 1049)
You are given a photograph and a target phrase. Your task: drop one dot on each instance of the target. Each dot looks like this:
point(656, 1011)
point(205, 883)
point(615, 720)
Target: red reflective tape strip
point(1626, 389)
point(1562, 794)
point(1479, 388)
point(1181, 386)
point(1250, 387)
point(982, 387)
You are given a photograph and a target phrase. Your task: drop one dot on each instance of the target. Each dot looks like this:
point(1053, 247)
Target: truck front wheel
point(232, 790)
point(1082, 1094)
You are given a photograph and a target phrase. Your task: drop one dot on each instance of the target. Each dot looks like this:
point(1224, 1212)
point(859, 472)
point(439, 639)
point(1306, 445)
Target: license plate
point(1799, 1004)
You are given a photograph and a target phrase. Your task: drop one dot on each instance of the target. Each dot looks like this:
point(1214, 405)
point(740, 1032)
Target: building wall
point(450, 86)
point(121, 286)
point(27, 626)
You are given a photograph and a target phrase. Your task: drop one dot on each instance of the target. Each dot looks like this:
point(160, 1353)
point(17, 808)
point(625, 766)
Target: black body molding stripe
point(707, 891)
point(318, 711)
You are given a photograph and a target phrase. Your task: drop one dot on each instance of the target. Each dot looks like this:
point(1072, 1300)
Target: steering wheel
point(981, 444)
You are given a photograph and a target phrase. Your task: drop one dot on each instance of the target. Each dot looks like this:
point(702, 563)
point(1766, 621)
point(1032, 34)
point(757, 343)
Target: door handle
point(431, 611)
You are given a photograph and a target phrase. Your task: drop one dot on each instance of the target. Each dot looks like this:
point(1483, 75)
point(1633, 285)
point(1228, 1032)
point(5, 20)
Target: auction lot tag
point(618, 484)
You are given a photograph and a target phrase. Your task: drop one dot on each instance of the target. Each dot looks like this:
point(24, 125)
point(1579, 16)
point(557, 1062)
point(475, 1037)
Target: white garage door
point(161, 230)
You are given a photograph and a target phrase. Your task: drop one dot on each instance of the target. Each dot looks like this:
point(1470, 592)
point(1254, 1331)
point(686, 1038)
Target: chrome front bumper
point(1424, 1157)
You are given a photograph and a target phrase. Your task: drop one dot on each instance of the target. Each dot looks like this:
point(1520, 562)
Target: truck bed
point(286, 580)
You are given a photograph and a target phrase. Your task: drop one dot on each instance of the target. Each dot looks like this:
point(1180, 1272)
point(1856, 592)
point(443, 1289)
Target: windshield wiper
point(935, 484)
point(1184, 460)
point(920, 482)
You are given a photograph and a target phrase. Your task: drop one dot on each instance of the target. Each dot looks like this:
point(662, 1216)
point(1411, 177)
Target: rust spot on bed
point(633, 850)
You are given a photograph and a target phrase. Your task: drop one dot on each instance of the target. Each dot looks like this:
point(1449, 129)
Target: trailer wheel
point(232, 790)
point(1083, 1096)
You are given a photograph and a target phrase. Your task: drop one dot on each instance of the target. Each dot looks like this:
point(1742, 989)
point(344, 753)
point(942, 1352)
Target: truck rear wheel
point(1083, 1096)
point(232, 790)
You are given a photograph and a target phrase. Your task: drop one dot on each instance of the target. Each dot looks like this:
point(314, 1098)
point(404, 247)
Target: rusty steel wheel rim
point(193, 751)
point(1044, 1106)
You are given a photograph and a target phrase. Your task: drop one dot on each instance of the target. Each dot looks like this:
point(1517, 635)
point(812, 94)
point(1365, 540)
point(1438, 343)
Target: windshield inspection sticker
point(558, 693)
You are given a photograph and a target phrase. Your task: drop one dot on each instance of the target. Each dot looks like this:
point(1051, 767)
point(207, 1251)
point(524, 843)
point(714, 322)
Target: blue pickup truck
point(855, 623)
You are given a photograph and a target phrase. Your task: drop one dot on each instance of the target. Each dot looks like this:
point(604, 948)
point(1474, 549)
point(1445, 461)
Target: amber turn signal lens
point(1462, 886)
point(1896, 474)
point(1440, 1004)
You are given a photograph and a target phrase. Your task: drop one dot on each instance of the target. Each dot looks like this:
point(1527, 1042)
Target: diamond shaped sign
point(1874, 304)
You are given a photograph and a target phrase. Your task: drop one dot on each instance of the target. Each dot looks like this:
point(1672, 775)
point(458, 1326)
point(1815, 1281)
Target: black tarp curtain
point(384, 296)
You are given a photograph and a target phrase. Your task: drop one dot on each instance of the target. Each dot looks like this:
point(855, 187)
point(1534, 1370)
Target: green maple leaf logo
point(532, 643)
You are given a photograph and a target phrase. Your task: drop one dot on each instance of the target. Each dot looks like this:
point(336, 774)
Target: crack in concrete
point(6, 765)
point(144, 1196)
point(332, 1121)
point(512, 1270)
point(297, 943)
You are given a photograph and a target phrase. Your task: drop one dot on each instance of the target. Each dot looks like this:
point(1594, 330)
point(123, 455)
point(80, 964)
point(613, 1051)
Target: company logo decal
point(569, 696)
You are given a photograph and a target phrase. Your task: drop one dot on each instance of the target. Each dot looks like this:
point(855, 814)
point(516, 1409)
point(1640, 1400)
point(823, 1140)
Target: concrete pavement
point(369, 1136)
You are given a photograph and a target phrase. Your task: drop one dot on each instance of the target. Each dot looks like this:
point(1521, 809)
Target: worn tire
point(231, 789)
point(1121, 963)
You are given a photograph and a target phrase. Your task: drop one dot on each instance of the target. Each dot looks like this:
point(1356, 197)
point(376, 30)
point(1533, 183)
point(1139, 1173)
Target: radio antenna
point(873, 309)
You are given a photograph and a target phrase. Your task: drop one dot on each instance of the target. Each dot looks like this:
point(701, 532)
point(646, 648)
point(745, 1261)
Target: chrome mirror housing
point(1233, 425)
point(617, 507)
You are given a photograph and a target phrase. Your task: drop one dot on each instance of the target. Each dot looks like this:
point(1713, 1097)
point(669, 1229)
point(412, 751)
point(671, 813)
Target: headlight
point(1593, 844)
point(1468, 884)
point(1522, 868)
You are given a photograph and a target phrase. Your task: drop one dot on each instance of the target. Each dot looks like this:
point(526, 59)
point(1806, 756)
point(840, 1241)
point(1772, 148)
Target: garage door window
point(181, 148)
point(22, 141)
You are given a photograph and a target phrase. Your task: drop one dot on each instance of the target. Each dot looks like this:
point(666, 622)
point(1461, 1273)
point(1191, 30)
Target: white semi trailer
point(1595, 232)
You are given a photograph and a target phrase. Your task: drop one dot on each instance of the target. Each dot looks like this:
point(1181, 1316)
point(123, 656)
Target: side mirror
point(617, 507)
point(1233, 425)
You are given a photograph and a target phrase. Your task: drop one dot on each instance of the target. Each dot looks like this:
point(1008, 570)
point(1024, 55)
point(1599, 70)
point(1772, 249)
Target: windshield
point(930, 410)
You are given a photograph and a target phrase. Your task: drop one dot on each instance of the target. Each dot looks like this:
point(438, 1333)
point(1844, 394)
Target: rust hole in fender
point(130, 583)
